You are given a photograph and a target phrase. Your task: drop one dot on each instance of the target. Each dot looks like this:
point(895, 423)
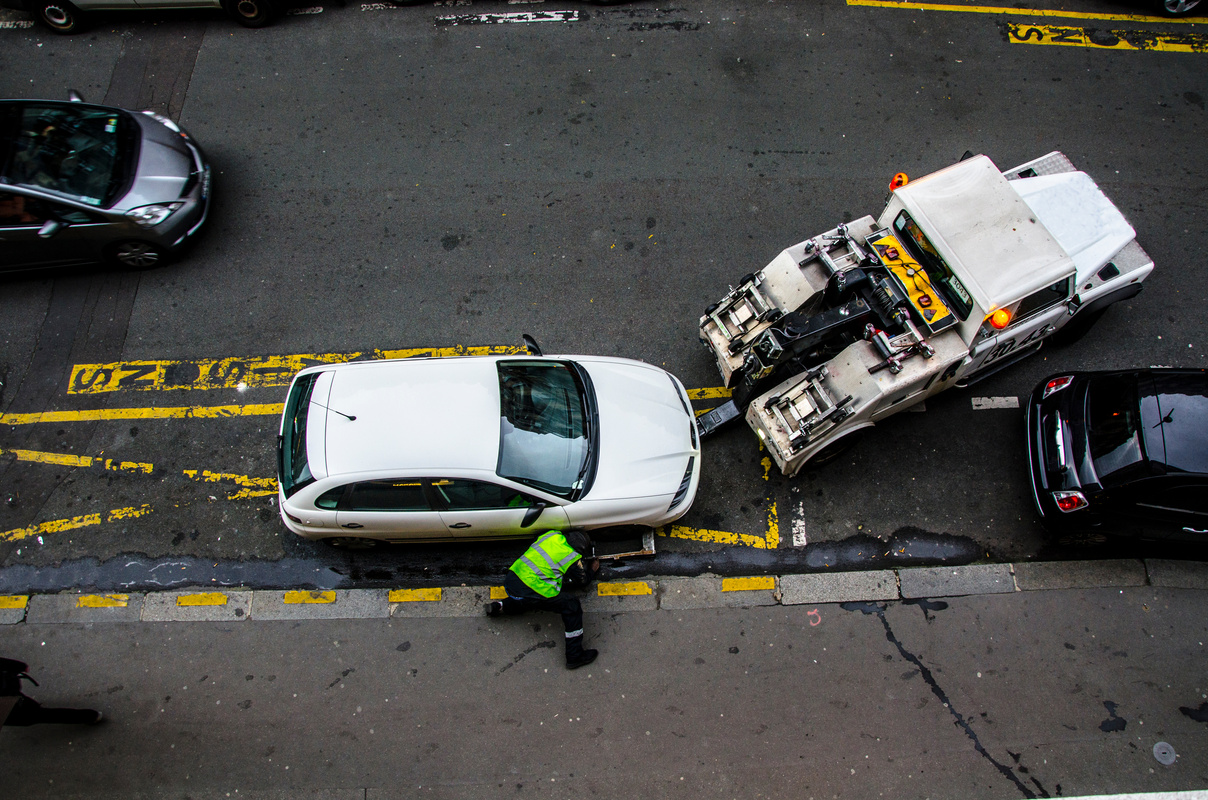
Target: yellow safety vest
point(542, 566)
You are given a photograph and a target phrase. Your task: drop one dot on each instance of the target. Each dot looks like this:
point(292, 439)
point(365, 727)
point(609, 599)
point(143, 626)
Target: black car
point(1121, 453)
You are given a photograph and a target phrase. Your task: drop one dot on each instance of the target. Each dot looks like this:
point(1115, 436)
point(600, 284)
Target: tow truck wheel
point(834, 449)
point(351, 543)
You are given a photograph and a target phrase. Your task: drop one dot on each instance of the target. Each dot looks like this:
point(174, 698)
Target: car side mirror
point(1073, 304)
point(531, 345)
point(533, 514)
point(50, 228)
point(75, 96)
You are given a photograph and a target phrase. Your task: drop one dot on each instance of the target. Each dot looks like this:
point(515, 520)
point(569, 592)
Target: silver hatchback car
point(82, 183)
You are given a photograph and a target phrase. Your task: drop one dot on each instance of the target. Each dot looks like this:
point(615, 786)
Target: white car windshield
point(545, 426)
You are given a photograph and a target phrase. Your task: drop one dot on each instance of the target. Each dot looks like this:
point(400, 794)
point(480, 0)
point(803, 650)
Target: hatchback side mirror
point(75, 96)
point(531, 345)
point(50, 228)
point(533, 514)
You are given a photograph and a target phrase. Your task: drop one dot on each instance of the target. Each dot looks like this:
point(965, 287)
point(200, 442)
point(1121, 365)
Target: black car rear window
point(78, 151)
point(1113, 423)
point(1183, 406)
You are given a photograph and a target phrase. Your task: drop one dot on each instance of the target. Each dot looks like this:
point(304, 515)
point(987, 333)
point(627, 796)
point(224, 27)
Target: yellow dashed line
point(1019, 12)
point(102, 601)
point(176, 412)
point(202, 599)
point(252, 487)
point(66, 460)
point(60, 525)
point(759, 583)
point(415, 595)
point(769, 541)
point(11, 601)
point(299, 596)
point(623, 589)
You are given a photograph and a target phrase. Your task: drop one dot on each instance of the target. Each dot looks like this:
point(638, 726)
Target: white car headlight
point(150, 216)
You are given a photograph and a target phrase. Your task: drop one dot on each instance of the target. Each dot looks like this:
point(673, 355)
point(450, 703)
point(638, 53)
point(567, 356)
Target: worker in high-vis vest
point(539, 578)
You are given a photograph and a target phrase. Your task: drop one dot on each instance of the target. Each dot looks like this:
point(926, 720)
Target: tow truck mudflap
point(718, 417)
point(626, 548)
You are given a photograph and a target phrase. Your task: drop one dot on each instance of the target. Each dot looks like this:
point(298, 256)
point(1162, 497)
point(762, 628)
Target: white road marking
point(13, 24)
point(799, 537)
point(513, 16)
point(310, 10)
point(376, 6)
point(983, 403)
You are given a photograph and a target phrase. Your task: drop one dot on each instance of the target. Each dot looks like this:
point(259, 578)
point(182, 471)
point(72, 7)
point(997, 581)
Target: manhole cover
point(1164, 753)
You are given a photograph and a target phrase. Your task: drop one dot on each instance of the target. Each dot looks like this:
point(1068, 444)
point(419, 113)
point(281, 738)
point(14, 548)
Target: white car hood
point(645, 434)
point(1083, 221)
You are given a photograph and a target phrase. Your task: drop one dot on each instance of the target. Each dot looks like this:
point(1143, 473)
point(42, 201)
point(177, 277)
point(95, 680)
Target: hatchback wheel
point(59, 15)
point(1176, 8)
point(351, 543)
point(251, 13)
point(137, 255)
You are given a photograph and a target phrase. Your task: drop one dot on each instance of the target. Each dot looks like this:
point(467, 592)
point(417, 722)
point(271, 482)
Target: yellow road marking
point(498, 593)
point(232, 373)
point(631, 588)
point(60, 525)
point(708, 393)
point(102, 601)
point(202, 599)
point(10, 601)
point(415, 595)
point(1020, 12)
point(302, 596)
point(1107, 40)
point(769, 541)
point(252, 487)
point(66, 460)
point(759, 583)
point(174, 412)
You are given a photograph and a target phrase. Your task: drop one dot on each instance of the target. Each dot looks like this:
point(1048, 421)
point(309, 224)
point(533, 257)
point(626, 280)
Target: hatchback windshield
point(293, 468)
point(1113, 420)
point(76, 151)
point(545, 426)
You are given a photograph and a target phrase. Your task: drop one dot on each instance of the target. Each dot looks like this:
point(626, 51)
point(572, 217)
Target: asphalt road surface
point(1030, 694)
point(407, 179)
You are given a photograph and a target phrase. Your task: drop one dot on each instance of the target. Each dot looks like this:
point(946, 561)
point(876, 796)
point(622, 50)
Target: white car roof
point(428, 414)
point(990, 237)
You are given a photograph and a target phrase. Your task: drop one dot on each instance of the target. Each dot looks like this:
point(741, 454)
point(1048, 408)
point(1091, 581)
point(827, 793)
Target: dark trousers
point(30, 712)
point(520, 600)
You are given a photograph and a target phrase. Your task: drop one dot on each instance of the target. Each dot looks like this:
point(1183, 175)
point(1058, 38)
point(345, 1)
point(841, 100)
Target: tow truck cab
point(965, 271)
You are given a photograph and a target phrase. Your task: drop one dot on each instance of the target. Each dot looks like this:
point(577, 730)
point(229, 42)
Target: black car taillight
point(682, 492)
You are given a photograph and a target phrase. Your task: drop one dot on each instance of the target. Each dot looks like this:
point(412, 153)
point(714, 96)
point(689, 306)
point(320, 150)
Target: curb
point(651, 594)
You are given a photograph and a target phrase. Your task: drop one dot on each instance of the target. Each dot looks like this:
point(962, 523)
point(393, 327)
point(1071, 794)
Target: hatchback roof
point(413, 414)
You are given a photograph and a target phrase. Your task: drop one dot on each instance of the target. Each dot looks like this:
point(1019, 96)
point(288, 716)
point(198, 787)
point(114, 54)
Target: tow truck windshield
point(547, 415)
point(938, 271)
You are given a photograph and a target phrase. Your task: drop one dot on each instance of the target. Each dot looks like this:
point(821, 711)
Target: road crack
point(878, 610)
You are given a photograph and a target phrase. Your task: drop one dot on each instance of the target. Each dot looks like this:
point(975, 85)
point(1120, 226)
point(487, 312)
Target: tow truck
point(966, 271)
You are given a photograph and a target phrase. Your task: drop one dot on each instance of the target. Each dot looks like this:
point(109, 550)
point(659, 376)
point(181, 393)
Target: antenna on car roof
point(349, 417)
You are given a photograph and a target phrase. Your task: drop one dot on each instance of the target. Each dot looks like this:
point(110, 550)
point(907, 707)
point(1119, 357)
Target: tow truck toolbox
point(965, 271)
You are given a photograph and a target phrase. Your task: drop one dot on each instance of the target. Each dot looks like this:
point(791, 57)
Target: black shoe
point(584, 658)
point(494, 608)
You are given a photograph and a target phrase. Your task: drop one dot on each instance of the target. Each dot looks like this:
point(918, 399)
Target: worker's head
point(580, 542)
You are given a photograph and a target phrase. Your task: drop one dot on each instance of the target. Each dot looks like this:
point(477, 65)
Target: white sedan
point(483, 447)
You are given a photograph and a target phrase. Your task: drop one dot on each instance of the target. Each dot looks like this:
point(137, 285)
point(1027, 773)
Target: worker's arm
point(582, 572)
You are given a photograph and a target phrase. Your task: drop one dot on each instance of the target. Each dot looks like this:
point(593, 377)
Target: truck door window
point(1046, 298)
point(913, 239)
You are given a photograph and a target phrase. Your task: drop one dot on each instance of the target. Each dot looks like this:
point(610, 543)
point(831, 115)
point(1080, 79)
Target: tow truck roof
point(986, 232)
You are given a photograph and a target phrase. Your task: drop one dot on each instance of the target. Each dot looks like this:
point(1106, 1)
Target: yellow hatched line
point(769, 541)
point(414, 596)
point(1107, 40)
point(302, 596)
point(60, 525)
point(237, 372)
point(174, 412)
point(1021, 12)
